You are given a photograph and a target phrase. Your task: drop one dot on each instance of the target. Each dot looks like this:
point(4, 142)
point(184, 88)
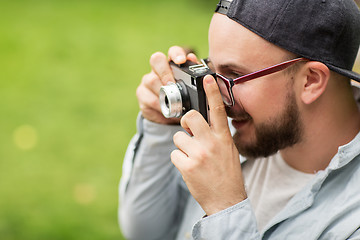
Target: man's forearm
point(150, 192)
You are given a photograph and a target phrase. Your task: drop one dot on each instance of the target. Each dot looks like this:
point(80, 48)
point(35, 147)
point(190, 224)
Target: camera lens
point(172, 98)
point(166, 101)
point(170, 101)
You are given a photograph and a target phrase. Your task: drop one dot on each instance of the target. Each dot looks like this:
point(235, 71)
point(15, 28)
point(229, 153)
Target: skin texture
point(148, 91)
point(312, 102)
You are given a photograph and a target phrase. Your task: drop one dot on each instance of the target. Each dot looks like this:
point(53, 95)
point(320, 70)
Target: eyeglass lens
point(224, 87)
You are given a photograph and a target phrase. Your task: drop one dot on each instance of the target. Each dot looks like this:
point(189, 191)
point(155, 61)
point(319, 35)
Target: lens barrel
point(173, 99)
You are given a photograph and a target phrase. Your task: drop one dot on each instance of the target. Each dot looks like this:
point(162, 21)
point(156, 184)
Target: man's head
point(321, 30)
point(268, 111)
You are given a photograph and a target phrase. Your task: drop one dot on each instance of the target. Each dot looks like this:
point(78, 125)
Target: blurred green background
point(68, 74)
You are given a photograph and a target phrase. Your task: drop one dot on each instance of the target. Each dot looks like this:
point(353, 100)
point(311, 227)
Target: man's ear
point(315, 80)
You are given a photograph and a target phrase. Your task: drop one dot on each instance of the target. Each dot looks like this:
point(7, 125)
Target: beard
point(280, 132)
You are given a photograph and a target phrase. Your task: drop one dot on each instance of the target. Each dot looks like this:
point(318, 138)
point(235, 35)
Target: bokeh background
point(68, 74)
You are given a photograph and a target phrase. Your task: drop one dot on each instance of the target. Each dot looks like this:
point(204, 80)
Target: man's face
point(266, 115)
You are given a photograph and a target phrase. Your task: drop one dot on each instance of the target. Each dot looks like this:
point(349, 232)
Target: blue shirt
point(156, 204)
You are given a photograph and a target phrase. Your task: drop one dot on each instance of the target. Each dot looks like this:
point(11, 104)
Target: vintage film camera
point(187, 92)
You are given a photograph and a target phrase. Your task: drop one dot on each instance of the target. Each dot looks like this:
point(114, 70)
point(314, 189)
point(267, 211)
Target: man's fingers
point(180, 160)
point(147, 98)
point(182, 140)
point(161, 67)
point(218, 117)
point(152, 82)
point(192, 57)
point(177, 54)
point(194, 123)
point(160, 63)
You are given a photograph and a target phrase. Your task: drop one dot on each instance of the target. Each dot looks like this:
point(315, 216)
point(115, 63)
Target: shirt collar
point(346, 153)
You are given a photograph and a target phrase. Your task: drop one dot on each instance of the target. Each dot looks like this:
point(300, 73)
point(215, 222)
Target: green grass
point(68, 74)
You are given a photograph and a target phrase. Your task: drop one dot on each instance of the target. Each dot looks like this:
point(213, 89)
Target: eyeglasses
point(226, 84)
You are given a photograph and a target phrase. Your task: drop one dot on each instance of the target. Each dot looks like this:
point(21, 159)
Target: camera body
point(187, 92)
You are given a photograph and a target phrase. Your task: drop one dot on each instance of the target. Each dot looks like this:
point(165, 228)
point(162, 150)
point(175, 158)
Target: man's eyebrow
point(233, 66)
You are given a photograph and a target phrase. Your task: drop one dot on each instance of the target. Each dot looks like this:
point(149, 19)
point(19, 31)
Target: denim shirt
point(156, 204)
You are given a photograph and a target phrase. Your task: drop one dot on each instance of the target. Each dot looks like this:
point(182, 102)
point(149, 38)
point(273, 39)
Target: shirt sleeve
point(152, 193)
point(234, 223)
point(355, 235)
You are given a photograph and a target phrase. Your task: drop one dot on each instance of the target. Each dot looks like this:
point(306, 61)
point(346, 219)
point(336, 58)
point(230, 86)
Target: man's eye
point(234, 75)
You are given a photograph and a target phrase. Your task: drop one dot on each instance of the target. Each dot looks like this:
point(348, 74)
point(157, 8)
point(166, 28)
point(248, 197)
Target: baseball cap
point(327, 31)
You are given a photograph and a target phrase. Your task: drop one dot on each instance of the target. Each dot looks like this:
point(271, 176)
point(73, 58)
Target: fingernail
point(180, 59)
point(209, 79)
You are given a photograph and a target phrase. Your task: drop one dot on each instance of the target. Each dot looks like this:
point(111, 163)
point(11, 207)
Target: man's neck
point(323, 136)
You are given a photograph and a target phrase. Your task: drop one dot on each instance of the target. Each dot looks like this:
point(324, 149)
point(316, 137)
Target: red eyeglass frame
point(260, 73)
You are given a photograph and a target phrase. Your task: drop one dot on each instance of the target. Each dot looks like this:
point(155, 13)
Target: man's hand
point(148, 91)
point(209, 161)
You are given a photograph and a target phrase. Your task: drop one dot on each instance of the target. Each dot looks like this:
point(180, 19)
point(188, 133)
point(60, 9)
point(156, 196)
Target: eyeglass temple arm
point(267, 71)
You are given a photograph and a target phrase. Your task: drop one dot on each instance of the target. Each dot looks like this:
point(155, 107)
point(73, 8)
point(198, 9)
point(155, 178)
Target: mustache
point(237, 115)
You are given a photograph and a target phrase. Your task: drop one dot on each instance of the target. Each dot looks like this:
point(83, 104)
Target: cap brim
point(347, 73)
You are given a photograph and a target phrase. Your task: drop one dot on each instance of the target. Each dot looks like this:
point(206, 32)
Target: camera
point(187, 92)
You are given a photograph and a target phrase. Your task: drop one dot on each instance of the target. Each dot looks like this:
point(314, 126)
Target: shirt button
point(187, 235)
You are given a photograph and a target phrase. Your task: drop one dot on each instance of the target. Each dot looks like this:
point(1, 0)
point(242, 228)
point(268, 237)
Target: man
point(296, 128)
